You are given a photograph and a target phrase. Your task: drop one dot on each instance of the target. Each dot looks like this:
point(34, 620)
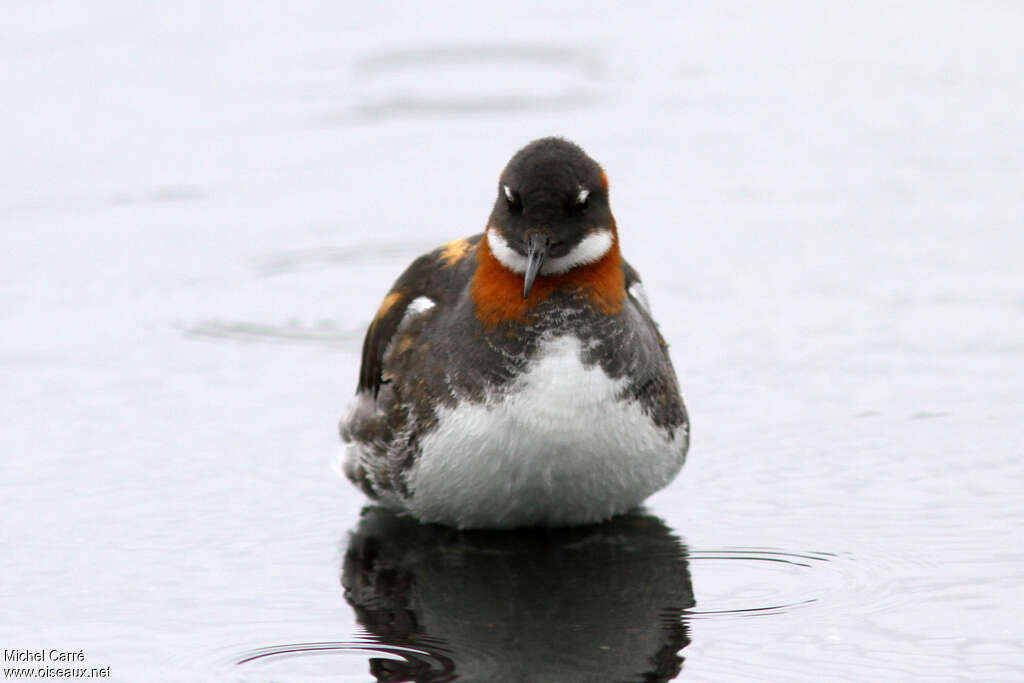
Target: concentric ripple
point(386, 660)
point(748, 582)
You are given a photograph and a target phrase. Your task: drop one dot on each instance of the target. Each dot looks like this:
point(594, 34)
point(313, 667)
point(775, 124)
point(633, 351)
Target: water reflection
point(599, 603)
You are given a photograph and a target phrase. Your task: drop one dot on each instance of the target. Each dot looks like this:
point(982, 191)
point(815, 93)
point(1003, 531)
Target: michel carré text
point(25, 655)
point(42, 655)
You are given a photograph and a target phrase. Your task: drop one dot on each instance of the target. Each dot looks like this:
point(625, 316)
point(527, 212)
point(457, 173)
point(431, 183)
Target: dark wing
point(632, 277)
point(436, 276)
point(659, 392)
point(637, 295)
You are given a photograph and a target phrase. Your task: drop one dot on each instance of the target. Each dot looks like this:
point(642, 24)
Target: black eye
point(512, 198)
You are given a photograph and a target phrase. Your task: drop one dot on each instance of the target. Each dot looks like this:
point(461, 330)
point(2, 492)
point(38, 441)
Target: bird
point(516, 378)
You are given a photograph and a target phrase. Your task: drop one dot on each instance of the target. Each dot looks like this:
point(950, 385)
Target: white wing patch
point(416, 307)
point(419, 305)
point(637, 291)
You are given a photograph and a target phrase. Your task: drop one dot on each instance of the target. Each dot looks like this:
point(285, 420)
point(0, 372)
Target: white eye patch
point(509, 195)
point(581, 198)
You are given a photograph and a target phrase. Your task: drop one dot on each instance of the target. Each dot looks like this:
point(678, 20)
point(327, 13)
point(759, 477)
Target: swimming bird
point(516, 378)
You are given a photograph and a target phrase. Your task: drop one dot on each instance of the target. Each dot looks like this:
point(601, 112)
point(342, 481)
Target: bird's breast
point(560, 443)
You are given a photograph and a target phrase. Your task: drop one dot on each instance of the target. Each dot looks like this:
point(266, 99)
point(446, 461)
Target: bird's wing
point(635, 288)
point(433, 276)
point(659, 391)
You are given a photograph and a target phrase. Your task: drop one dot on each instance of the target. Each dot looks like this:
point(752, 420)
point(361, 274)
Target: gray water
point(202, 206)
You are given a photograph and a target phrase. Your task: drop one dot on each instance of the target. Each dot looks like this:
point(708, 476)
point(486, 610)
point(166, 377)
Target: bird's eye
point(512, 198)
point(582, 197)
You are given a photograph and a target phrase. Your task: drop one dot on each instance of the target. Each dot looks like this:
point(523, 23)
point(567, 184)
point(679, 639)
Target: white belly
point(557, 447)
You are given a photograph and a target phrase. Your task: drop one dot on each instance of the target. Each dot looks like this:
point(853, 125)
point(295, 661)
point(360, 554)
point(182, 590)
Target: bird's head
point(551, 214)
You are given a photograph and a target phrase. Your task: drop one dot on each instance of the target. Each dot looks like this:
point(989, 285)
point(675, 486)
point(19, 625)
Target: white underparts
point(558, 446)
point(591, 248)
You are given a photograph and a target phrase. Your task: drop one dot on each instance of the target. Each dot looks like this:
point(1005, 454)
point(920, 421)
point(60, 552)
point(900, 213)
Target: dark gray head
point(551, 213)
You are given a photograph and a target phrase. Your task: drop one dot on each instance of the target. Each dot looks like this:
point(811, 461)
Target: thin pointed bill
point(536, 251)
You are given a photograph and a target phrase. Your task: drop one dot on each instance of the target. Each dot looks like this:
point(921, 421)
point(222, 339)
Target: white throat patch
point(591, 248)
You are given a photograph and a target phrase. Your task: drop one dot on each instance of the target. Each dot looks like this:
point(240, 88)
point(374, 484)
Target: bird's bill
point(536, 251)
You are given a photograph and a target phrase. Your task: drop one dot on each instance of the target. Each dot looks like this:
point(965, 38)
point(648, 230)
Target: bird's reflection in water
point(598, 603)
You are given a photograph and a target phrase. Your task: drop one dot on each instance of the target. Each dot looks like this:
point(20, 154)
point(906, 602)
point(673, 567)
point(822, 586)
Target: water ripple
point(746, 581)
point(441, 55)
point(592, 603)
point(606, 602)
point(612, 602)
point(385, 658)
point(323, 334)
point(459, 79)
point(286, 262)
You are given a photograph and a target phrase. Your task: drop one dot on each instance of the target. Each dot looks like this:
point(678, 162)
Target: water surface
point(203, 205)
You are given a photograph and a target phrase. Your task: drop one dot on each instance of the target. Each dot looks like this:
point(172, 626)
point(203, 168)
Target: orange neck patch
point(498, 292)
